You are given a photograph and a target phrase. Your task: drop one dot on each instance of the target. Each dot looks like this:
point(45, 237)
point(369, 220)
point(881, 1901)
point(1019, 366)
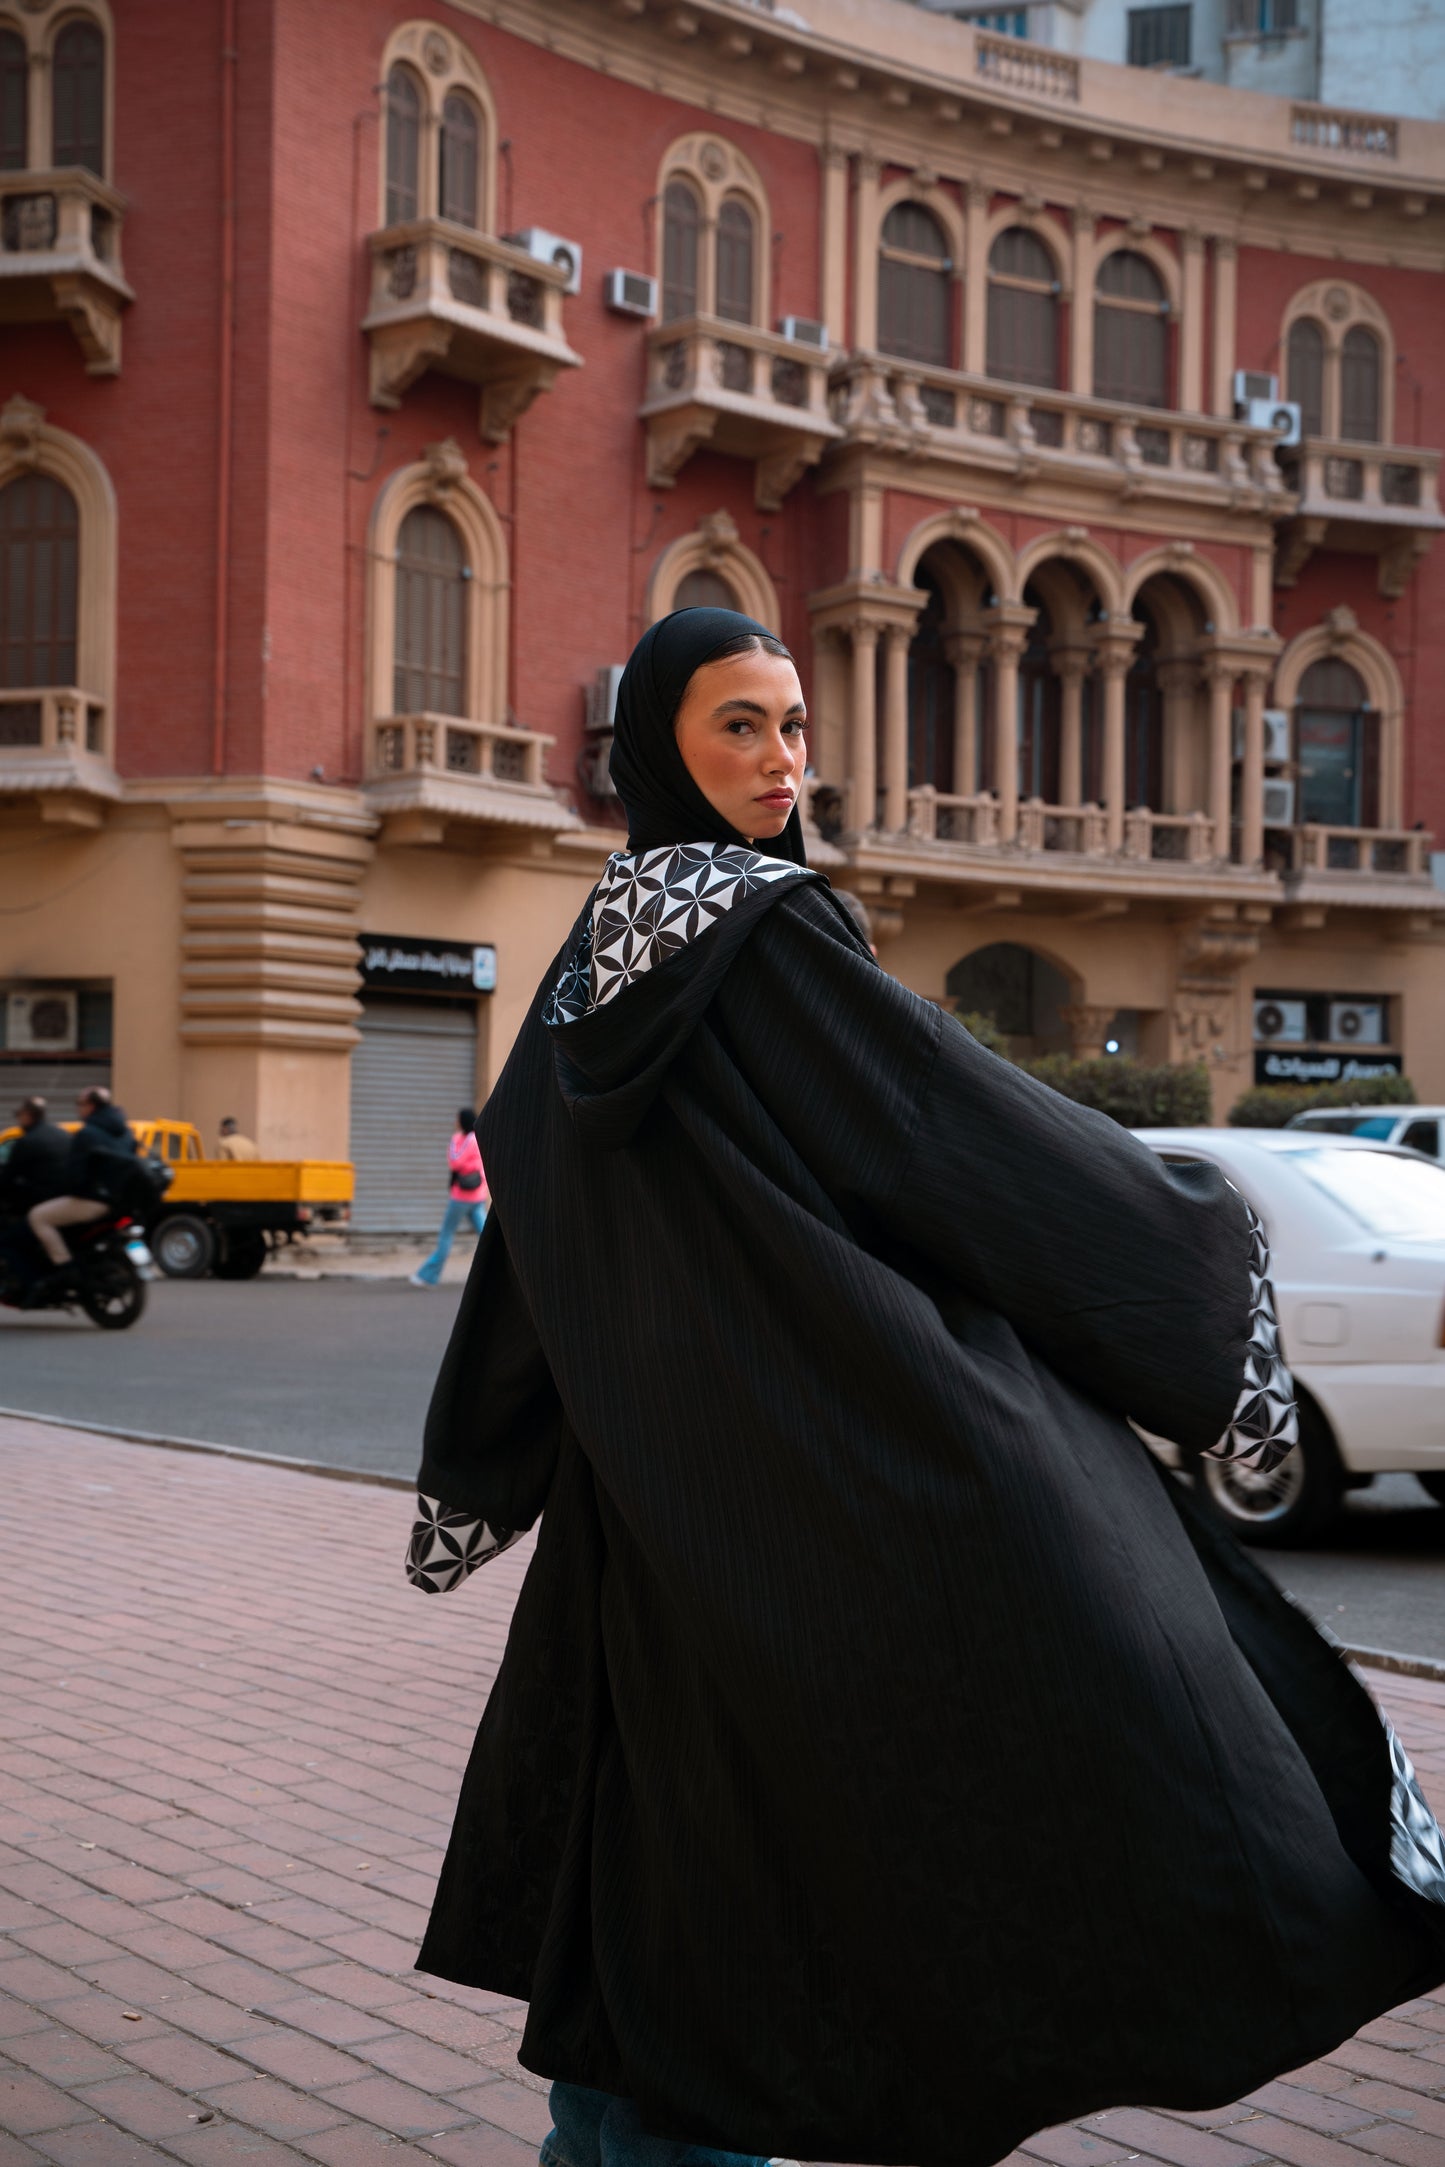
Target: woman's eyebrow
point(755, 707)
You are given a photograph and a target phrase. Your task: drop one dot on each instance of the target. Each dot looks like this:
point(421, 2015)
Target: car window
point(193, 1147)
point(1399, 1198)
point(1379, 1126)
point(1423, 1136)
point(1332, 1124)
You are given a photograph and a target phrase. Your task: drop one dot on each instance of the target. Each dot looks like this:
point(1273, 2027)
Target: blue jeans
point(595, 2129)
point(458, 1208)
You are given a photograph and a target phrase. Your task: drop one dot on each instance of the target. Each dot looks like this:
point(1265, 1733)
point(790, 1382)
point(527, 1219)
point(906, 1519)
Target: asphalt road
point(340, 1371)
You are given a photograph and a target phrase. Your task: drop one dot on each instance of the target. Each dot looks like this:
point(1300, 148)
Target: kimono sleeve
point(1129, 1277)
point(495, 1422)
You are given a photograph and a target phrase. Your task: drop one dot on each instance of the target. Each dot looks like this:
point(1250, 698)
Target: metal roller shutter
point(415, 1065)
point(57, 1081)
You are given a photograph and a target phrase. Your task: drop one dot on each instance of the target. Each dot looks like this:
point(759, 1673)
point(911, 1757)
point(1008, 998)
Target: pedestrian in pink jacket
point(467, 1197)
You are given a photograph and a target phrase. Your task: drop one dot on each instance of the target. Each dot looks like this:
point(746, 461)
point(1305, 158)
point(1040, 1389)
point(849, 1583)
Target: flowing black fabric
point(877, 1723)
point(663, 803)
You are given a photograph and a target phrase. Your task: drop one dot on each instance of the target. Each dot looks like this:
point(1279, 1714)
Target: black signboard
point(1300, 1065)
point(399, 963)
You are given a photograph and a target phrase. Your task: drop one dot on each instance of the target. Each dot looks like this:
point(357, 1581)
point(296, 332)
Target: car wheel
point(241, 1255)
point(1286, 1509)
point(1432, 1485)
point(183, 1246)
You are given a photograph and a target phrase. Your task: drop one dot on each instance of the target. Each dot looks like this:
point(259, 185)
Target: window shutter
point(39, 565)
point(735, 262)
point(459, 161)
point(681, 222)
point(1360, 386)
point(78, 98)
point(403, 146)
point(913, 286)
point(1305, 374)
point(1023, 310)
point(430, 666)
point(1131, 336)
point(14, 103)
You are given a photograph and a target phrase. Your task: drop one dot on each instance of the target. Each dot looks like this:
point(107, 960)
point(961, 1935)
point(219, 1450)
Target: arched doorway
point(1144, 724)
point(932, 694)
point(1023, 995)
point(1039, 706)
point(950, 678)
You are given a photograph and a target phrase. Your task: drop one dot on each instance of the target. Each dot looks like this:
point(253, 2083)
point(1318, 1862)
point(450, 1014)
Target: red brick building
point(369, 381)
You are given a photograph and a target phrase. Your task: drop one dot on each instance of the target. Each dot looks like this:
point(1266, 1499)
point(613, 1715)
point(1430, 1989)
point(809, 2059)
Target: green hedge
point(1274, 1106)
point(1133, 1093)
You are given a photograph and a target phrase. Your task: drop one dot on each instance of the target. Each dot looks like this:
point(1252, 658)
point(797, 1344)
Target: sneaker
point(415, 1280)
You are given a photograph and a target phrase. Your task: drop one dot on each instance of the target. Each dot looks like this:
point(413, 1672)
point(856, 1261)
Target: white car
point(1414, 1128)
point(1357, 1240)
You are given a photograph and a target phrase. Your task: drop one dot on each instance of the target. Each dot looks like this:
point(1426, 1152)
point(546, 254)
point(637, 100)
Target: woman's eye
point(794, 728)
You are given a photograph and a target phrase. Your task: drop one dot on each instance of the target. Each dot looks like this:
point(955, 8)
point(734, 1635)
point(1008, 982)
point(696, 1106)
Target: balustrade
point(60, 258)
point(741, 391)
point(451, 746)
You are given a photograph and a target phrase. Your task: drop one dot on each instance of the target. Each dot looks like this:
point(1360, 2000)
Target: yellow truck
point(218, 1214)
point(222, 1215)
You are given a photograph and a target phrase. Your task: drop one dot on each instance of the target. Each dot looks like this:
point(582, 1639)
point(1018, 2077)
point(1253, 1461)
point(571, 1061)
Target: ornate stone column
point(1191, 322)
point(863, 728)
point(1220, 675)
point(1251, 773)
point(1071, 666)
point(865, 251)
point(964, 651)
point(1114, 646)
point(975, 272)
point(835, 244)
point(1081, 314)
point(1088, 1028)
point(1226, 265)
point(1007, 640)
point(1179, 683)
point(895, 727)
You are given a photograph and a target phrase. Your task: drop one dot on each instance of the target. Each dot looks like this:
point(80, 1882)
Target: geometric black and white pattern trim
point(1417, 1848)
point(1265, 1423)
point(647, 905)
point(445, 1546)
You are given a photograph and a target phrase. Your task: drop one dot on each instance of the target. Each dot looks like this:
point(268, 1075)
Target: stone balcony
point(55, 750)
point(1369, 499)
point(444, 297)
point(737, 390)
point(425, 770)
point(1025, 436)
point(60, 259)
point(1373, 868)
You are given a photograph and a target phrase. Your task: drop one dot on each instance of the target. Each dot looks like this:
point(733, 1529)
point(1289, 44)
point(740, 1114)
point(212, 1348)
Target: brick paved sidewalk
point(230, 1740)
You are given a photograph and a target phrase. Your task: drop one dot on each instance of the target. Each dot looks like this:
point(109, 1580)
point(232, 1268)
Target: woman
point(467, 1197)
point(875, 1709)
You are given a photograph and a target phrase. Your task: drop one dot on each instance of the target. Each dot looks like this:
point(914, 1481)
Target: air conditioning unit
point(630, 293)
point(40, 1022)
point(1276, 735)
point(1280, 1023)
point(602, 698)
point(803, 331)
point(551, 248)
point(1278, 802)
point(1357, 1023)
point(1280, 416)
point(1251, 385)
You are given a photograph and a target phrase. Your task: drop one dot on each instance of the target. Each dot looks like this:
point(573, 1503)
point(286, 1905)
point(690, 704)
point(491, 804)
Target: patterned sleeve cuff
point(445, 1546)
point(1265, 1423)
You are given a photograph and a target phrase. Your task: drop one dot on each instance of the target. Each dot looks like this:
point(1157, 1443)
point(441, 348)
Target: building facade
point(369, 380)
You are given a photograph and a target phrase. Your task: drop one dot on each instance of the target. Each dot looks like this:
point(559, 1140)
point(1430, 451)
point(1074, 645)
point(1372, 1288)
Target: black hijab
point(663, 803)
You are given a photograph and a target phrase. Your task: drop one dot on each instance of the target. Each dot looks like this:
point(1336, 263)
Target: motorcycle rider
point(33, 1172)
point(97, 1174)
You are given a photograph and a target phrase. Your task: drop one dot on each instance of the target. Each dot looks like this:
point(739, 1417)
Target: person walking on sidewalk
point(467, 1197)
point(889, 1759)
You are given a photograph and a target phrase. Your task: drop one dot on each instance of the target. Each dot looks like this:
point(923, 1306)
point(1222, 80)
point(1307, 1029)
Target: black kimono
point(877, 1714)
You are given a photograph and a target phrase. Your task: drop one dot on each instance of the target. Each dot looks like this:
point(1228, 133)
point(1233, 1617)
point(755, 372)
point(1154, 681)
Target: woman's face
point(740, 732)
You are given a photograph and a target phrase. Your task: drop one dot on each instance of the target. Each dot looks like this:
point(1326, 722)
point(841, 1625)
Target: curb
point(224, 1452)
point(1406, 1666)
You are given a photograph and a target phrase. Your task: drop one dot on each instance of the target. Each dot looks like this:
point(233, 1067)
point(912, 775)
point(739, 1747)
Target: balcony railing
point(1322, 127)
point(1380, 500)
point(1400, 853)
point(1032, 69)
point(1030, 432)
point(740, 391)
point(1177, 838)
point(55, 747)
point(1082, 829)
point(444, 297)
point(60, 258)
point(448, 745)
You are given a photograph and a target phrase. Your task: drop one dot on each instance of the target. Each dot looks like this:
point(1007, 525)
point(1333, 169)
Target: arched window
point(1023, 310)
point(1144, 725)
point(735, 261)
point(431, 615)
point(1305, 373)
point(1337, 747)
point(77, 72)
point(403, 146)
point(1131, 332)
point(931, 696)
point(704, 590)
point(459, 162)
point(1360, 386)
point(39, 577)
point(913, 286)
point(681, 227)
point(14, 103)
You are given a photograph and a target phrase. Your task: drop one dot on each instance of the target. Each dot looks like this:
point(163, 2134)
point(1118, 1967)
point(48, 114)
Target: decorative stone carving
point(1337, 304)
point(20, 424)
point(446, 465)
point(1341, 625)
point(671, 442)
point(436, 53)
point(714, 161)
point(507, 398)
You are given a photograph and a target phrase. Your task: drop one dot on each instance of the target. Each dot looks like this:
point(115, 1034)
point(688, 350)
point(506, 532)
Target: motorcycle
point(106, 1278)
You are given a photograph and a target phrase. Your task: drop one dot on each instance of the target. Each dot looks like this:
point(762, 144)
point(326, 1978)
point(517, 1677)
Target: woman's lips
point(776, 797)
